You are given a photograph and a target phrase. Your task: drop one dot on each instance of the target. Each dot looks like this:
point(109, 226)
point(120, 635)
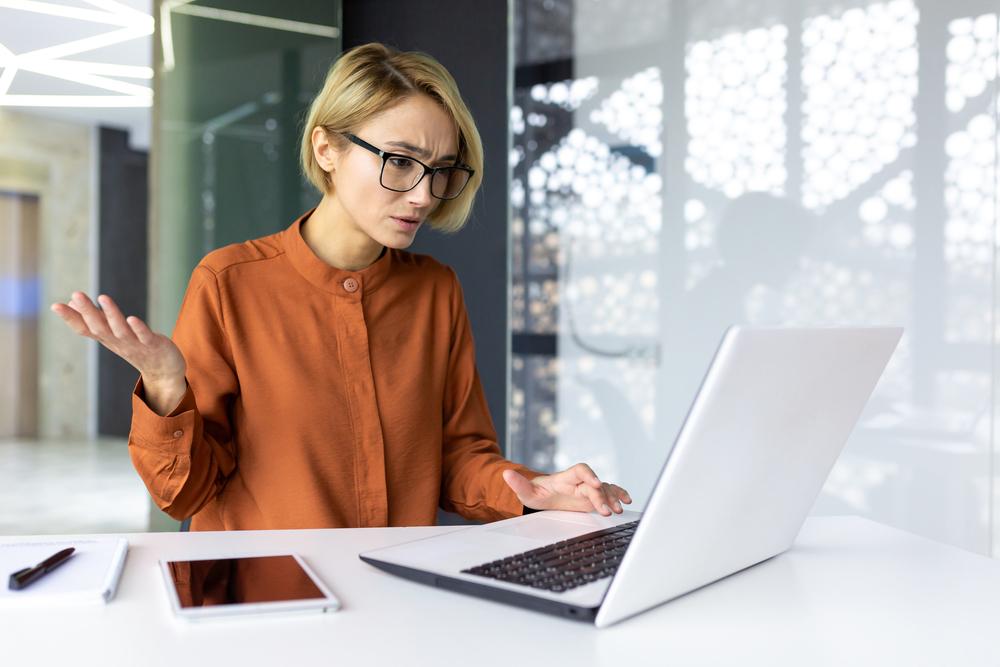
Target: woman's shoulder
point(235, 254)
point(423, 266)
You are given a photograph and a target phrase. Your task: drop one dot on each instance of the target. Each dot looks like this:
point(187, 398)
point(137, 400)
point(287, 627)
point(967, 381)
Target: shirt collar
point(330, 278)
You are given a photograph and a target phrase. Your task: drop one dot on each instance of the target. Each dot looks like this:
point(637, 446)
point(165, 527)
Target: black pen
point(25, 577)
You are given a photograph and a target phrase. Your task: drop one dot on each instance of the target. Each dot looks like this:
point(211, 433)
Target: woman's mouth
point(407, 224)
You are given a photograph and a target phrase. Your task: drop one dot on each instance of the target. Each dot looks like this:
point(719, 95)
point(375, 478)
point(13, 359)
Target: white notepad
point(90, 575)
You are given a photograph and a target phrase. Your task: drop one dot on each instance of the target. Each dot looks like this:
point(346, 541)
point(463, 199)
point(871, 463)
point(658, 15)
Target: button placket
point(369, 461)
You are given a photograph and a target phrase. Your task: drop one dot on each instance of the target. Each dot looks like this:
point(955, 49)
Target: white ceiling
point(98, 93)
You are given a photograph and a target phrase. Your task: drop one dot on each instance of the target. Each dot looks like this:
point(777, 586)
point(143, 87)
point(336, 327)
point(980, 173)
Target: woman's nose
point(421, 195)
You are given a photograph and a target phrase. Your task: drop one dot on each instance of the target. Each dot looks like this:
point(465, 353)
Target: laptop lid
point(772, 415)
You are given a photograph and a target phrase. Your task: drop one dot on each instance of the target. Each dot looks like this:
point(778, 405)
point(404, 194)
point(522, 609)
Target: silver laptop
point(767, 425)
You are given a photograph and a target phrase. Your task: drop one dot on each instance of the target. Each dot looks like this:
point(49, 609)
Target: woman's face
point(417, 127)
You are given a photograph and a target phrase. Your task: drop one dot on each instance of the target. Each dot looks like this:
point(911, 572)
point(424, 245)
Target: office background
point(655, 172)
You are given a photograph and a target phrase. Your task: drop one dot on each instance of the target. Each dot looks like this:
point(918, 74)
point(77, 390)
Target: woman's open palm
point(152, 354)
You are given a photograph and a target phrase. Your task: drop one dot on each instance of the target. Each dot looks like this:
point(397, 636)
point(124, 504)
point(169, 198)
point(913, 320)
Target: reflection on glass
point(811, 164)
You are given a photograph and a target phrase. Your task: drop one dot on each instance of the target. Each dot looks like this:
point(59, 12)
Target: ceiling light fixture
point(128, 24)
point(170, 7)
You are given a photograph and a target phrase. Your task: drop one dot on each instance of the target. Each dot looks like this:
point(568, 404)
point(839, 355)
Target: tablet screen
point(237, 581)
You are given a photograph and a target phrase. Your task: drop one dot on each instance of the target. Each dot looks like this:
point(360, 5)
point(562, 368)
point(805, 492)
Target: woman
point(322, 376)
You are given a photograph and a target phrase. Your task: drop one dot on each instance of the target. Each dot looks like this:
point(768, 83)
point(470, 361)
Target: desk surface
point(849, 592)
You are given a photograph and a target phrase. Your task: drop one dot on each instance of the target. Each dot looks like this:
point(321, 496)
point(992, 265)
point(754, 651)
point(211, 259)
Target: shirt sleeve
point(472, 481)
point(186, 457)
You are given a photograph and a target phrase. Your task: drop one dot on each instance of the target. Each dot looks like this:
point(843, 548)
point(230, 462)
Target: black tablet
point(217, 587)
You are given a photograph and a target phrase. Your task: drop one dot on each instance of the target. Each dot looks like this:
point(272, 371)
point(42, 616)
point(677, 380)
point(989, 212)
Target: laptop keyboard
point(564, 565)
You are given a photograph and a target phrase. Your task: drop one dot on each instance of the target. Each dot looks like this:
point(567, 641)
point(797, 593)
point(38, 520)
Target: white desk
point(851, 592)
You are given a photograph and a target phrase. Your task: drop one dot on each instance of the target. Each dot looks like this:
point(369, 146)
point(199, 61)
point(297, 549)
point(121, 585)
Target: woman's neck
point(336, 240)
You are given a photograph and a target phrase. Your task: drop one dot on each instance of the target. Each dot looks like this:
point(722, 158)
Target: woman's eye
point(400, 162)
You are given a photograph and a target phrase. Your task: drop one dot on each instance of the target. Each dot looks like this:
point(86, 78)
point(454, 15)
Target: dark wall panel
point(470, 39)
point(123, 261)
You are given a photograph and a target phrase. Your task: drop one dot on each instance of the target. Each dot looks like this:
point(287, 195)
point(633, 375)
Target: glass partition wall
point(678, 167)
point(233, 84)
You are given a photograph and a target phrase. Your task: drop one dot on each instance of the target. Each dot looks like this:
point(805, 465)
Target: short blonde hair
point(370, 79)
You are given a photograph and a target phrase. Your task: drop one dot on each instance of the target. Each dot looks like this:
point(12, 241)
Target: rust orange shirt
point(322, 398)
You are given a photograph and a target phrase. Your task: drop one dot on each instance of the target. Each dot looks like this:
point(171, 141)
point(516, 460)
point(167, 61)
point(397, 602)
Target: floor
point(70, 487)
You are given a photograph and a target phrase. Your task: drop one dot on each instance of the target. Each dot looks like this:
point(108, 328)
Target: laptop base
point(546, 606)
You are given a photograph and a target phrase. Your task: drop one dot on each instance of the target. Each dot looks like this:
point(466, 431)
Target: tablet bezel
point(328, 602)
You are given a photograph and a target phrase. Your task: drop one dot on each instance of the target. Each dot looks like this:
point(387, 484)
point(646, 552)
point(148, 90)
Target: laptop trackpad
point(548, 530)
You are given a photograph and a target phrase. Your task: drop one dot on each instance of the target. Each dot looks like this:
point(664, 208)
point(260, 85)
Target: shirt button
point(178, 433)
point(351, 285)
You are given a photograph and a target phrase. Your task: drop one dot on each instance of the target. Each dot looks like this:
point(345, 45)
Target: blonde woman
point(324, 377)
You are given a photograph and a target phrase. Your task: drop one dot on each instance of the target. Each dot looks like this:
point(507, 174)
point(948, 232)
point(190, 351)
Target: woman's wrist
point(163, 394)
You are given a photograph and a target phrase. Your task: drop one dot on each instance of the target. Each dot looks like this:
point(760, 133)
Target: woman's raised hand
point(154, 355)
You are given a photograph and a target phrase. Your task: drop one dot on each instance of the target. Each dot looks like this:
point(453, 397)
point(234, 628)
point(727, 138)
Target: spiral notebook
point(89, 576)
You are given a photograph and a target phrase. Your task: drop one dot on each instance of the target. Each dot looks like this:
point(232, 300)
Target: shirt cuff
point(150, 428)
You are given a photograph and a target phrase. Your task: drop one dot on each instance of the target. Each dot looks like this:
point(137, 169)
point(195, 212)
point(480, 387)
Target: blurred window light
point(633, 112)
point(970, 192)
point(735, 109)
point(19, 297)
point(972, 60)
point(859, 77)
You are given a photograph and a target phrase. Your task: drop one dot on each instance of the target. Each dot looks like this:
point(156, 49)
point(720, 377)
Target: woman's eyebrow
point(418, 151)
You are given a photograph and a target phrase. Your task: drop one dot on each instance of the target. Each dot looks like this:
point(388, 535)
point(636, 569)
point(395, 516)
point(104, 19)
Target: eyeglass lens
point(402, 174)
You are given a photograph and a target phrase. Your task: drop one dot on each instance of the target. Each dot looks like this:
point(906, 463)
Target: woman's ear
point(326, 155)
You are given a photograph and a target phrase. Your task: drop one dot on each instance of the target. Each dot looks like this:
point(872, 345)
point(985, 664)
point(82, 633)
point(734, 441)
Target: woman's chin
point(398, 240)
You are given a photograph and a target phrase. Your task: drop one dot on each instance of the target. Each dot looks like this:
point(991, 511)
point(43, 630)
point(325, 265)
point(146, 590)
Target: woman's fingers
point(95, 319)
point(596, 497)
point(586, 474)
point(141, 331)
point(618, 495)
point(611, 498)
point(72, 319)
point(85, 319)
point(622, 494)
point(116, 320)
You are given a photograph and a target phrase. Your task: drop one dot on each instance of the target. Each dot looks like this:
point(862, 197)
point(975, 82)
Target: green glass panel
point(233, 84)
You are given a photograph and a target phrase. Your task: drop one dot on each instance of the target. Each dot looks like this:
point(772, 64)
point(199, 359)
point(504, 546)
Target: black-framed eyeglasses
point(402, 173)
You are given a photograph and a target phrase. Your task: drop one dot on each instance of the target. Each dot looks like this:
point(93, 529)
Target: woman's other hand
point(576, 489)
point(154, 355)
